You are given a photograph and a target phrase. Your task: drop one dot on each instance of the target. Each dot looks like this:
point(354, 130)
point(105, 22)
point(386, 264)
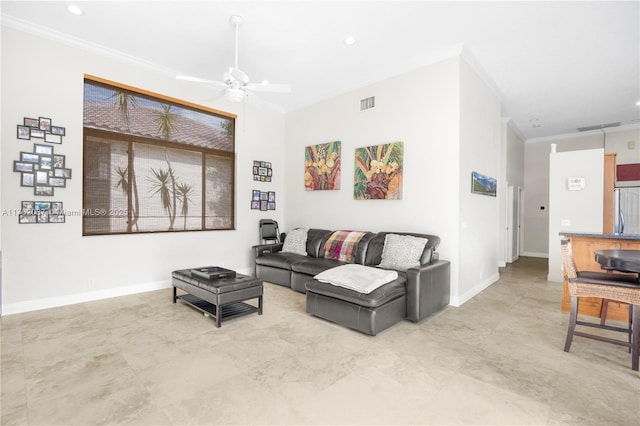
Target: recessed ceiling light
point(349, 40)
point(638, 103)
point(72, 8)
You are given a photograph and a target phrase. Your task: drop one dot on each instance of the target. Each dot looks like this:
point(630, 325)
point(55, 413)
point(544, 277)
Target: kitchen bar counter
point(602, 236)
point(583, 246)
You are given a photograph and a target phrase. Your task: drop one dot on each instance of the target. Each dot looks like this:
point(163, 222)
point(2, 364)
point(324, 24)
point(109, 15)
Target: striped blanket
point(342, 245)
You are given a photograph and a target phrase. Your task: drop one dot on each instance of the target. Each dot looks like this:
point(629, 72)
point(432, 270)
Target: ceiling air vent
point(598, 127)
point(367, 103)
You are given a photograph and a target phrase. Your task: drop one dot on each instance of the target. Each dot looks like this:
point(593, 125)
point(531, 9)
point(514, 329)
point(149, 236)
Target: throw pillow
point(342, 245)
point(296, 241)
point(402, 252)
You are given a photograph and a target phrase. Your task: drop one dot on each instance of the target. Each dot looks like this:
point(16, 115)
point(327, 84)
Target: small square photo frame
point(255, 195)
point(42, 149)
point(63, 173)
point(42, 205)
point(29, 157)
point(42, 216)
point(57, 182)
point(272, 196)
point(24, 132)
point(255, 205)
point(23, 166)
point(44, 124)
point(56, 218)
point(27, 218)
point(46, 162)
point(45, 191)
point(31, 122)
point(51, 138)
point(263, 205)
point(58, 130)
point(271, 205)
point(27, 207)
point(42, 177)
point(37, 133)
point(27, 179)
point(58, 161)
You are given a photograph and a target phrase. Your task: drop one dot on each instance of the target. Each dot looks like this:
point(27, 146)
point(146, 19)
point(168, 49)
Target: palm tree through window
point(154, 163)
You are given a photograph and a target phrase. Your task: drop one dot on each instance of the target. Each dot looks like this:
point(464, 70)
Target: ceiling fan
point(236, 83)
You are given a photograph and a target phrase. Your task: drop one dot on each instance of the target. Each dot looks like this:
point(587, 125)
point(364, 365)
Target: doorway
point(514, 222)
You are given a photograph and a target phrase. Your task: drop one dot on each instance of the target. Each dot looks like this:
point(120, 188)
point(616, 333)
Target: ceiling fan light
point(234, 95)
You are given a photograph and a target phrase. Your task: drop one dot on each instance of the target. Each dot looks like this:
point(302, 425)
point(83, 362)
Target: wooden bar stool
point(617, 287)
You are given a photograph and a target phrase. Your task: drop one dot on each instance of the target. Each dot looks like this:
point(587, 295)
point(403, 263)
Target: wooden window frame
point(114, 138)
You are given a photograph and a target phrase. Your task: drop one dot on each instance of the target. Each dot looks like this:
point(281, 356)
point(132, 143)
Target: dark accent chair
point(269, 232)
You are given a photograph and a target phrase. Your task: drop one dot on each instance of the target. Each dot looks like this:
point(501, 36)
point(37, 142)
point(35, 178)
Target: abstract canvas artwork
point(378, 172)
point(322, 167)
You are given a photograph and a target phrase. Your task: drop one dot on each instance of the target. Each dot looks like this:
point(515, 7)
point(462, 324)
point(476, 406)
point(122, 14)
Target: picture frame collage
point(40, 128)
point(41, 212)
point(41, 169)
point(263, 200)
point(262, 171)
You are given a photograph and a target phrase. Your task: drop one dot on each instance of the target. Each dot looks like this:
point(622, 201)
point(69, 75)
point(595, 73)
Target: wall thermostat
point(575, 183)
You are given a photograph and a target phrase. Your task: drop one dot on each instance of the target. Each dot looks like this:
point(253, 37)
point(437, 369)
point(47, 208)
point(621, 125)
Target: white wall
point(625, 143)
point(573, 211)
point(514, 147)
point(423, 109)
point(536, 167)
point(53, 264)
point(480, 236)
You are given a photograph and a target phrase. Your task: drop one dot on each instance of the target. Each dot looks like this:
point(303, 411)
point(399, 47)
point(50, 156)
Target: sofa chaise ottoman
point(418, 291)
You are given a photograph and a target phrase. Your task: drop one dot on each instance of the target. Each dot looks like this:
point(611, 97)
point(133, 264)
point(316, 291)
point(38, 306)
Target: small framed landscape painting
point(484, 185)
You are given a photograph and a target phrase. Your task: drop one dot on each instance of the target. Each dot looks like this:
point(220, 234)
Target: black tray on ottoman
point(213, 272)
point(222, 298)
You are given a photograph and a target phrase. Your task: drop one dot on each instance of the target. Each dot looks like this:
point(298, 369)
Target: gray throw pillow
point(296, 241)
point(402, 252)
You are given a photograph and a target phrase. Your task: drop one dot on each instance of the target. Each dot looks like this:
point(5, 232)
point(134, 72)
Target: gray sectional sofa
point(417, 293)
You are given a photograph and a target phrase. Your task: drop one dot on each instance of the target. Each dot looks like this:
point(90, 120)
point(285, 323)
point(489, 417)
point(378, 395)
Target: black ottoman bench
point(221, 298)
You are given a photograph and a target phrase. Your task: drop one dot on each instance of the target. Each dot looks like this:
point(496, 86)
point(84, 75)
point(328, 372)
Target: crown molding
point(471, 60)
point(509, 122)
point(57, 36)
point(622, 128)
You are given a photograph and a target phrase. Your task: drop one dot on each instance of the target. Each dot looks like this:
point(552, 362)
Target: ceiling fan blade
point(194, 79)
point(211, 83)
point(269, 87)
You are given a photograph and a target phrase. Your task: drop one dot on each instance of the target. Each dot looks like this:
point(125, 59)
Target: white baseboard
point(71, 299)
point(534, 254)
point(468, 295)
point(558, 278)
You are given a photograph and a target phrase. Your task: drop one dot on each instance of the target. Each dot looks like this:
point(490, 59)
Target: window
point(153, 163)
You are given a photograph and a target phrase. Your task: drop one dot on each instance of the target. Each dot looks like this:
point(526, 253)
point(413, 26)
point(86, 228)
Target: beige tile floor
point(140, 359)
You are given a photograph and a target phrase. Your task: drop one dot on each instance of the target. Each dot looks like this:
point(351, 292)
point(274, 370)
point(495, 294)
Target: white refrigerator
point(626, 210)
